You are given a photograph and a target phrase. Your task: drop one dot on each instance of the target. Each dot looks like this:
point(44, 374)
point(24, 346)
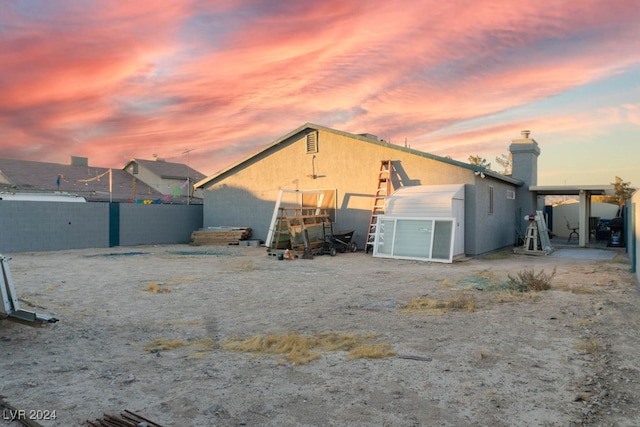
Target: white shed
point(431, 201)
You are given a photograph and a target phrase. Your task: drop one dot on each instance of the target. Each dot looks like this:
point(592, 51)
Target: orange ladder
point(385, 177)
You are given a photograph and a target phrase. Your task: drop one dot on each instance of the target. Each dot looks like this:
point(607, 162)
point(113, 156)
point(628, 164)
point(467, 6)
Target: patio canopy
point(584, 192)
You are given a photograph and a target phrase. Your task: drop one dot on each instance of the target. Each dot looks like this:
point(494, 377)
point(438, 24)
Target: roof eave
point(233, 166)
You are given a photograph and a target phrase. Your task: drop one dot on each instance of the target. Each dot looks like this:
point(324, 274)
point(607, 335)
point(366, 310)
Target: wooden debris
point(220, 235)
point(126, 419)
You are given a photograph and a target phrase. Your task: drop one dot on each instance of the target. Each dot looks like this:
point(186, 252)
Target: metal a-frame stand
point(537, 236)
point(10, 307)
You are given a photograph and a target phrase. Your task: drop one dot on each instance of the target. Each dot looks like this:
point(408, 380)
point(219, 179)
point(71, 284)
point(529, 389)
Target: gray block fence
point(27, 226)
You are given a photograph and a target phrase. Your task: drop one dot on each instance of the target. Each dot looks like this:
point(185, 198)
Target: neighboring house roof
point(168, 170)
point(90, 182)
point(366, 137)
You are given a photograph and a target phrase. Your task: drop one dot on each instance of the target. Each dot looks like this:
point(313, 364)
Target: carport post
point(583, 218)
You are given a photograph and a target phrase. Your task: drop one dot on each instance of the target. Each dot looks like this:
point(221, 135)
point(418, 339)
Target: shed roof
point(288, 138)
point(424, 200)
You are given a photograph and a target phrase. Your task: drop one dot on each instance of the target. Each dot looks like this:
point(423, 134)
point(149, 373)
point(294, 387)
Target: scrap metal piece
point(10, 307)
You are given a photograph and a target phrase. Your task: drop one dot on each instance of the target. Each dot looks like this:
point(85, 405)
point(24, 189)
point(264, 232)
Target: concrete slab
point(584, 253)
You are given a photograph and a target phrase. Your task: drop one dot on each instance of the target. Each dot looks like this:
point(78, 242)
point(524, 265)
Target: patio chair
point(594, 227)
point(574, 230)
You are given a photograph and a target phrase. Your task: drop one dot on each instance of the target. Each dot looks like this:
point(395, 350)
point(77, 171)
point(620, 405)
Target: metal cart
point(338, 241)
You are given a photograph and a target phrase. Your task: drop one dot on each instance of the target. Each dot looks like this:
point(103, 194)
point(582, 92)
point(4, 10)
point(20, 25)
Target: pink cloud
point(75, 53)
point(121, 80)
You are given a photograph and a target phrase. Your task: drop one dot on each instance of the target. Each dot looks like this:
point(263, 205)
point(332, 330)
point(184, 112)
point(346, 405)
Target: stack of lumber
point(220, 235)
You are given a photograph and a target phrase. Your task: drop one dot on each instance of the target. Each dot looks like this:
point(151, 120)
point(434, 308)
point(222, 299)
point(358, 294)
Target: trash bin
point(616, 232)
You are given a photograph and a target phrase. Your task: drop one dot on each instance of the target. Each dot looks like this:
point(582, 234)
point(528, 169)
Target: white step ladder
point(537, 241)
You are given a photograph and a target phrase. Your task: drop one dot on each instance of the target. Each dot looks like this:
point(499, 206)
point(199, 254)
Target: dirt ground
point(151, 329)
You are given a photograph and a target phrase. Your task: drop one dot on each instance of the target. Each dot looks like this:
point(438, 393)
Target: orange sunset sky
point(116, 80)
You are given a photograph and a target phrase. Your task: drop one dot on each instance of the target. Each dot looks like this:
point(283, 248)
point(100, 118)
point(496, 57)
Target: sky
point(209, 82)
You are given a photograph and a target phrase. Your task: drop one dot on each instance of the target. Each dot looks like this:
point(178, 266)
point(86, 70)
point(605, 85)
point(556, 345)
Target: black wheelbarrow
point(342, 241)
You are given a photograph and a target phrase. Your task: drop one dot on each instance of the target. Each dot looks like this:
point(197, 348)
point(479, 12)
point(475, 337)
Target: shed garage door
point(431, 201)
point(425, 239)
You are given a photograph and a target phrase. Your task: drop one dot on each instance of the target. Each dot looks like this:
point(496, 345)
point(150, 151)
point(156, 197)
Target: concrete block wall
point(42, 226)
point(30, 226)
point(162, 224)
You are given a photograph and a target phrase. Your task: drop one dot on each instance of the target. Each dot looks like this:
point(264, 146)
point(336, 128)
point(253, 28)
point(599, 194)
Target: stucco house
point(168, 178)
point(314, 157)
point(142, 181)
point(24, 179)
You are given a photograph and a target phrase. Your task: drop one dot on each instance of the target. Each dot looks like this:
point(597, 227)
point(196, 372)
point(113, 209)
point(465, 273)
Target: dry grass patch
point(523, 281)
point(528, 280)
point(204, 344)
point(164, 344)
point(577, 289)
point(302, 349)
point(371, 351)
point(154, 288)
point(239, 264)
point(198, 355)
point(432, 306)
point(480, 356)
point(583, 322)
point(589, 346)
point(446, 283)
point(244, 264)
point(498, 255)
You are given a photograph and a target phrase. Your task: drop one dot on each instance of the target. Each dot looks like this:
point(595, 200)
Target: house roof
point(169, 170)
point(92, 183)
point(275, 145)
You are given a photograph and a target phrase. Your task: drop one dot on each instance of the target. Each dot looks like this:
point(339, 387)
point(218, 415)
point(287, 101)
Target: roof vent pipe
point(525, 134)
